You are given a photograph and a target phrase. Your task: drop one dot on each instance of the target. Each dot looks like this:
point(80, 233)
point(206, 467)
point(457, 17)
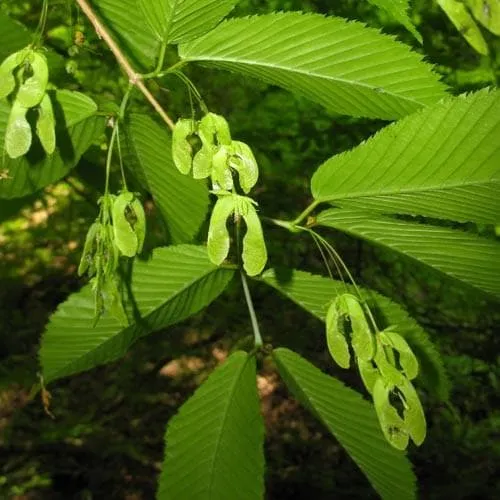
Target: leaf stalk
point(306, 212)
point(253, 317)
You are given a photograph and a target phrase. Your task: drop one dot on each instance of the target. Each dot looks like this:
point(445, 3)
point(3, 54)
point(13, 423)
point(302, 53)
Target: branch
point(134, 77)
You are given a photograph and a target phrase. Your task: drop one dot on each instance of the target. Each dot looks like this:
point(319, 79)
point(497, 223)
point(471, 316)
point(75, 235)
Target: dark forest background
point(106, 441)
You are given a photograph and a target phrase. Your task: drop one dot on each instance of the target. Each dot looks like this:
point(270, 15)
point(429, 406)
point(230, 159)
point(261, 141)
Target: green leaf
point(129, 28)
point(175, 21)
point(214, 445)
point(441, 162)
point(343, 65)
point(176, 283)
point(487, 12)
point(182, 200)
point(465, 24)
point(13, 36)
point(398, 10)
point(314, 294)
point(352, 421)
point(462, 255)
point(77, 127)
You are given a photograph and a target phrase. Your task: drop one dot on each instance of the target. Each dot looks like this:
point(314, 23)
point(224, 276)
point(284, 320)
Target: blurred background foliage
point(106, 440)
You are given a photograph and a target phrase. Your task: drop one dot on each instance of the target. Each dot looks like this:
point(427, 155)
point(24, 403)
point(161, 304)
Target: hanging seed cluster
point(386, 364)
point(205, 149)
point(24, 77)
point(119, 230)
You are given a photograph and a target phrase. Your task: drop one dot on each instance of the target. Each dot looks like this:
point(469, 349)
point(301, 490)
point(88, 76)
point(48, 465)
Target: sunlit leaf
point(398, 10)
point(465, 24)
point(175, 21)
point(177, 282)
point(352, 421)
point(126, 23)
point(345, 66)
point(442, 162)
point(487, 12)
point(464, 256)
point(214, 445)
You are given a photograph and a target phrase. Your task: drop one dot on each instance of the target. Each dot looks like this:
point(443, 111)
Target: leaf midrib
point(170, 21)
point(308, 402)
point(354, 83)
point(219, 437)
point(408, 254)
point(410, 190)
point(133, 325)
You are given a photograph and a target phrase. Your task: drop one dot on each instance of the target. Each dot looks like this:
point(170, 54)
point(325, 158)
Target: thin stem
point(191, 104)
point(124, 103)
point(192, 87)
point(134, 77)
point(336, 258)
point(248, 297)
point(175, 67)
point(116, 135)
point(237, 226)
point(253, 317)
point(370, 315)
point(109, 157)
point(159, 65)
point(319, 245)
point(120, 158)
point(41, 23)
point(306, 212)
point(161, 58)
point(294, 227)
point(285, 224)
